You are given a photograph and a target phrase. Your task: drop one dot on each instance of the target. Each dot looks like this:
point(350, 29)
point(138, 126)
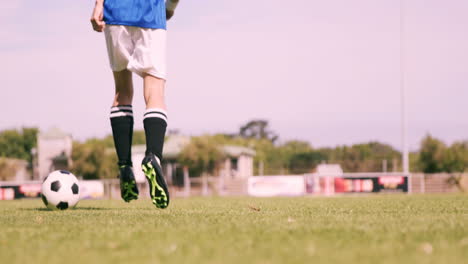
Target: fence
point(218, 186)
point(347, 183)
point(203, 186)
point(439, 183)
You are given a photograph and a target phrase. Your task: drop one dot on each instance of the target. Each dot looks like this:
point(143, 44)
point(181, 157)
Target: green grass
point(372, 229)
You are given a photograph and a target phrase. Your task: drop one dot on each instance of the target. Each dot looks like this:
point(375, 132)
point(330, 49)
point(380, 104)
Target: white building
point(51, 145)
point(239, 162)
point(237, 165)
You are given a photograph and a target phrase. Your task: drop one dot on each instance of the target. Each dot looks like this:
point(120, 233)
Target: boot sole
point(159, 195)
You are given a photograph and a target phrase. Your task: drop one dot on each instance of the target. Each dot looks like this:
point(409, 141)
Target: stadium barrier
point(439, 183)
point(18, 190)
point(32, 189)
point(262, 186)
point(201, 186)
point(316, 184)
point(265, 186)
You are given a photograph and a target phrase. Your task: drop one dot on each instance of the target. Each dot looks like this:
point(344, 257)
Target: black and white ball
point(60, 190)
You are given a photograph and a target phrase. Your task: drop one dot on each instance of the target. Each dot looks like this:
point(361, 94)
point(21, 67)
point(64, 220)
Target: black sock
point(155, 122)
point(122, 129)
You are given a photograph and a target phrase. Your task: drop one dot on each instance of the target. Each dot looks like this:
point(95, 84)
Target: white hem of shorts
point(143, 73)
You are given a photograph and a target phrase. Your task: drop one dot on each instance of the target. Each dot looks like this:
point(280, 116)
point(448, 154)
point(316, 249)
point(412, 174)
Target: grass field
point(372, 229)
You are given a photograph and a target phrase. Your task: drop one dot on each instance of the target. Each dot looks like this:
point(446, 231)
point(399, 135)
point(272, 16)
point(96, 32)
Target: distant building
point(54, 149)
point(334, 170)
point(238, 163)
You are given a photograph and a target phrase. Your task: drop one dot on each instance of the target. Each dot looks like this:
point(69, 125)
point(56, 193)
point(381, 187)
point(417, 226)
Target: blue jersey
point(137, 13)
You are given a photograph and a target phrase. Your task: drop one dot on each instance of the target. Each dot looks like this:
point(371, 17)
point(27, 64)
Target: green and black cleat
point(128, 186)
point(157, 185)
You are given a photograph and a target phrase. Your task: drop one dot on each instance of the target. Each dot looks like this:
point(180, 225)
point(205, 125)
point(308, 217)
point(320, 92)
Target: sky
point(327, 72)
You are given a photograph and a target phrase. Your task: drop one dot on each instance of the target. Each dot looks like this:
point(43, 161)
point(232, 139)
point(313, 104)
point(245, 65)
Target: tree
point(257, 129)
point(139, 137)
point(305, 162)
point(94, 160)
point(7, 169)
point(201, 155)
point(18, 143)
point(367, 157)
point(295, 146)
point(287, 151)
point(414, 163)
point(431, 155)
point(455, 158)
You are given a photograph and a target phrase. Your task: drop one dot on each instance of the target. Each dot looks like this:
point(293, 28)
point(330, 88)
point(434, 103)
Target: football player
point(135, 33)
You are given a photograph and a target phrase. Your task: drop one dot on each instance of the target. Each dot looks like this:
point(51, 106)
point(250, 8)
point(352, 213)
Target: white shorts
point(140, 50)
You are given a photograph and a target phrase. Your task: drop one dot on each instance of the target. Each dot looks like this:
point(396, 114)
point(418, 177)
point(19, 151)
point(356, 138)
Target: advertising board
point(384, 183)
point(91, 190)
point(20, 190)
point(10, 191)
point(266, 186)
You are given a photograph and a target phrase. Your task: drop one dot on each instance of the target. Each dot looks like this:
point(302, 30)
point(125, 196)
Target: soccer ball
point(60, 190)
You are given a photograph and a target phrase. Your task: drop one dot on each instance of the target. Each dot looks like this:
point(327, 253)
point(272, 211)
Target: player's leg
point(123, 88)
point(155, 118)
point(121, 118)
point(155, 123)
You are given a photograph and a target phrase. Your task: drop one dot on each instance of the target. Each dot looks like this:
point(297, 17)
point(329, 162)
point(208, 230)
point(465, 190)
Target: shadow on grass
point(35, 209)
point(91, 209)
point(74, 209)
